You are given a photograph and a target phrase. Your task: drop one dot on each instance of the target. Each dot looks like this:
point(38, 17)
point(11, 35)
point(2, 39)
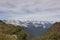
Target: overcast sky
point(43, 10)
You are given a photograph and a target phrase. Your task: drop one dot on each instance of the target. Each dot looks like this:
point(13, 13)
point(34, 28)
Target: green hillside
point(52, 33)
point(11, 32)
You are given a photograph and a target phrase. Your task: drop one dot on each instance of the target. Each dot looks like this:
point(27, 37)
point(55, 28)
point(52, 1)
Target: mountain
point(52, 33)
point(33, 28)
point(44, 24)
point(12, 32)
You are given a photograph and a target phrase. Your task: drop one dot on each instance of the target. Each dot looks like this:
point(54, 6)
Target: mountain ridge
point(26, 23)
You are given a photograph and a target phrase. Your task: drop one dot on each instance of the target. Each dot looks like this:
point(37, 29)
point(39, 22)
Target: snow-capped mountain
point(44, 24)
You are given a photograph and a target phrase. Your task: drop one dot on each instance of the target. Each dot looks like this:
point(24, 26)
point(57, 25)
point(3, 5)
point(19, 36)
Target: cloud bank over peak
point(30, 10)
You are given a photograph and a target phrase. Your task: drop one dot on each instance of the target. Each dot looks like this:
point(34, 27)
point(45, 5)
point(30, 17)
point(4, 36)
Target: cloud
point(30, 9)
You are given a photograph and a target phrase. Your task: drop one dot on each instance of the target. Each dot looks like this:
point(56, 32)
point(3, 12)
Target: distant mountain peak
point(43, 24)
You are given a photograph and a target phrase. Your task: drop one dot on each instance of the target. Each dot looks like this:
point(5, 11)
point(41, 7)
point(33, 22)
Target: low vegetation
point(11, 32)
point(52, 33)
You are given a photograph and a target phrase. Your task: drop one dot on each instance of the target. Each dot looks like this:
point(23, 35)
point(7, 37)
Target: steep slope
point(11, 32)
point(54, 28)
point(52, 33)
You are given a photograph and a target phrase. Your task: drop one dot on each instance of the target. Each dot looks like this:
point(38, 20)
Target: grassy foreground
point(11, 32)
